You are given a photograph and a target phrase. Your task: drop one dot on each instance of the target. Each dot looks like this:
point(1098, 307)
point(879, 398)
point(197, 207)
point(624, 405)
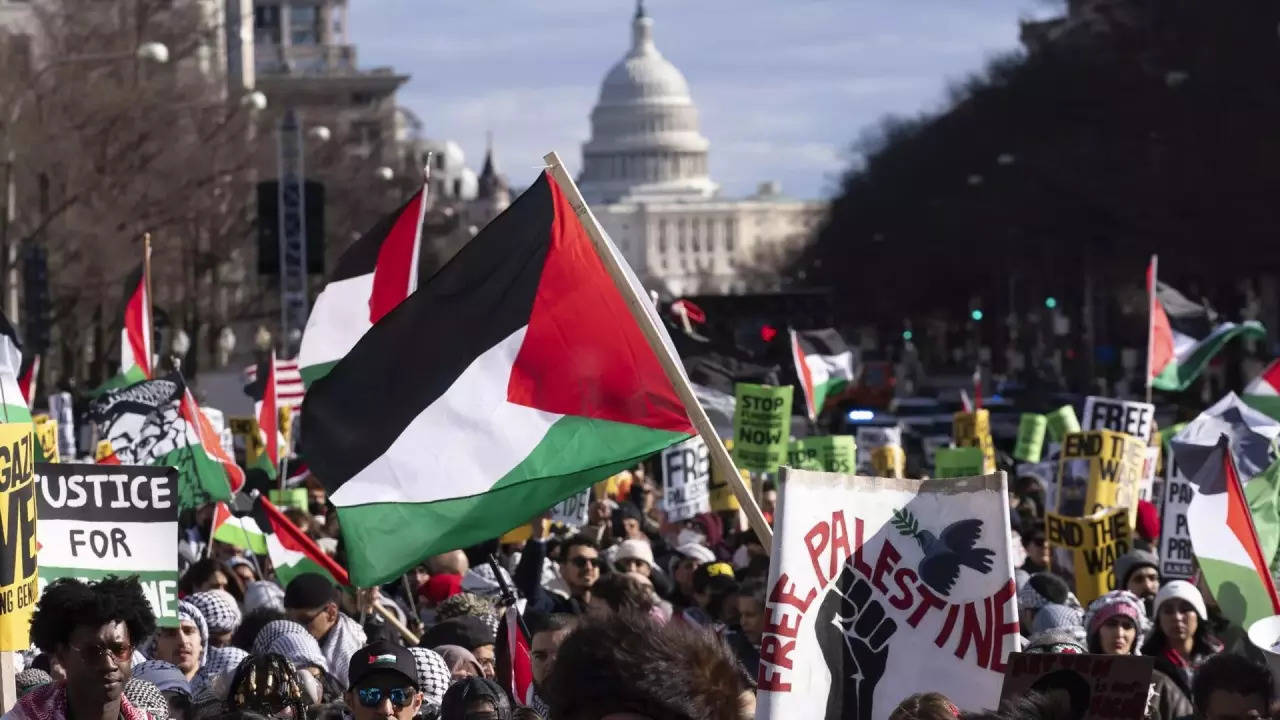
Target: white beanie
point(1182, 590)
point(634, 550)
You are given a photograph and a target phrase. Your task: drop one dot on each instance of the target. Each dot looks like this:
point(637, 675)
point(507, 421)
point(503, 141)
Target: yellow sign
point(521, 533)
point(1095, 543)
point(974, 430)
point(1100, 469)
point(18, 584)
point(254, 443)
point(285, 423)
point(889, 461)
point(103, 451)
point(47, 436)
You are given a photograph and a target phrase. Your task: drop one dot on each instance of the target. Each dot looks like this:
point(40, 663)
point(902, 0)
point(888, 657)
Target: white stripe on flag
point(338, 321)
point(461, 444)
point(1210, 536)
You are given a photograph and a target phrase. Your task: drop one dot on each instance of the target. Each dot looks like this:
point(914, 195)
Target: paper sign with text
point(881, 587)
point(99, 520)
point(1095, 542)
point(19, 586)
point(829, 453)
point(1177, 560)
point(871, 437)
point(1124, 416)
point(761, 426)
point(572, 511)
point(1096, 687)
point(958, 462)
point(1100, 469)
point(686, 480)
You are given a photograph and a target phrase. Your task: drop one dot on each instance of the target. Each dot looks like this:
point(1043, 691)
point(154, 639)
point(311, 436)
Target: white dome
point(645, 140)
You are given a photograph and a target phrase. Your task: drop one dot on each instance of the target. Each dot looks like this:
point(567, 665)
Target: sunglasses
point(120, 652)
point(372, 697)
point(582, 562)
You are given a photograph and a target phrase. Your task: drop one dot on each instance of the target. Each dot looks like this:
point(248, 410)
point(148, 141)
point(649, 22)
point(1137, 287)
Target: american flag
point(289, 388)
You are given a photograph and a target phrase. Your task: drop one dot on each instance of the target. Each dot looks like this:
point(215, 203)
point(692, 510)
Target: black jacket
point(528, 577)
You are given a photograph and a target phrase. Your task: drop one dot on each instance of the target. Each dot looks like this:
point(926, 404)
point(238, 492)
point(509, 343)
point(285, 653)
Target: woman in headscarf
point(221, 613)
point(1116, 624)
point(187, 645)
point(475, 697)
point(462, 664)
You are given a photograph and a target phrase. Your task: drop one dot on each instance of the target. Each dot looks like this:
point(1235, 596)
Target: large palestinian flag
point(157, 422)
point(373, 276)
point(1185, 336)
point(1263, 393)
point(1225, 541)
point(292, 553)
point(13, 401)
point(512, 379)
point(824, 365)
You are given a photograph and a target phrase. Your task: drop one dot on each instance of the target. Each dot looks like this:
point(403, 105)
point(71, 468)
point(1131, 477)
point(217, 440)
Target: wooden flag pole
point(150, 328)
point(638, 304)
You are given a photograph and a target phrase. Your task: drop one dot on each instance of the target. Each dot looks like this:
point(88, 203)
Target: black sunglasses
point(120, 652)
point(372, 697)
point(581, 562)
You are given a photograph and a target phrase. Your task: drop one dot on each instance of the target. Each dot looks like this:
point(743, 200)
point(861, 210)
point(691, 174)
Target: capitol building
point(645, 175)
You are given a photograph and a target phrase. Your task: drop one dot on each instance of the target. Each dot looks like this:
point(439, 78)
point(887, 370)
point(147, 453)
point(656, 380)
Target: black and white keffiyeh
point(145, 696)
point(434, 676)
point(164, 675)
point(222, 662)
point(343, 640)
point(219, 608)
point(290, 639)
point(187, 611)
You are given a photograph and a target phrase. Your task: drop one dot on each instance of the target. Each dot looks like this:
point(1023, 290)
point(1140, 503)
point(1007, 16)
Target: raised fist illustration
point(853, 632)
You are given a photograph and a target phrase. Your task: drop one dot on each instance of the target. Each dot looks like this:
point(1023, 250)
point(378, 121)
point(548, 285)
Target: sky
point(784, 87)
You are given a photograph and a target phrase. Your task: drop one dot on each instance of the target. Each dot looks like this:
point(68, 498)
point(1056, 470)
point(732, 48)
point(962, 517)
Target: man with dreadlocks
point(91, 629)
point(267, 685)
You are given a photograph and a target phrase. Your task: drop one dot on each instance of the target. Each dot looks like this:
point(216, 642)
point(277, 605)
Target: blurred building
point(646, 176)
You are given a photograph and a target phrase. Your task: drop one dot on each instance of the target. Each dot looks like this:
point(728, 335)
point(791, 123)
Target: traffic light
point(907, 335)
point(1051, 302)
point(976, 314)
point(35, 281)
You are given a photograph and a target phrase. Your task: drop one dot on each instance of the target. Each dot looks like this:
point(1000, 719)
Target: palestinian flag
point(28, 374)
point(373, 276)
point(512, 663)
point(1263, 394)
point(1185, 336)
point(268, 421)
point(824, 364)
point(13, 401)
point(157, 422)
point(292, 553)
point(1225, 541)
point(514, 378)
point(237, 531)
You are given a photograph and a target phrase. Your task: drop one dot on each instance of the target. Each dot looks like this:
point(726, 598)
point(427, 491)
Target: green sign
point(830, 453)
point(291, 497)
point(957, 462)
point(1031, 429)
point(761, 426)
point(1063, 421)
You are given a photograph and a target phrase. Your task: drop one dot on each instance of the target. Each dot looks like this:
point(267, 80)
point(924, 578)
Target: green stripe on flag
point(1268, 405)
point(312, 373)
point(286, 573)
point(129, 377)
point(1238, 590)
point(384, 540)
point(1176, 376)
point(1262, 494)
point(245, 536)
point(201, 479)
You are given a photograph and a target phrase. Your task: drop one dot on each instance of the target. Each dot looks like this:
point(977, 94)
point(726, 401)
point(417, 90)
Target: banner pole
point(150, 328)
point(636, 302)
point(1151, 322)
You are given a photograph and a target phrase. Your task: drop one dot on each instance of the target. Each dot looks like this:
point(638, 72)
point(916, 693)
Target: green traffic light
point(976, 314)
point(1051, 302)
point(906, 335)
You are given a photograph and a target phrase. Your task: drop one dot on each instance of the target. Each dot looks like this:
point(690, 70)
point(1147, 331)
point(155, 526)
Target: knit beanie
point(1182, 590)
point(1132, 560)
point(1054, 616)
point(1116, 603)
point(1042, 589)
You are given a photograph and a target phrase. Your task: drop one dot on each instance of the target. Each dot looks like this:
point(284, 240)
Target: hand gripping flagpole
point(637, 304)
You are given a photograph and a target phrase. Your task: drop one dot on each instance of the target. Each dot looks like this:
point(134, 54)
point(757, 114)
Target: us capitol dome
point(645, 175)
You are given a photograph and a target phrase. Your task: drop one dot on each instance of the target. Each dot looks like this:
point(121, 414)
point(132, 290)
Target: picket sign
point(1123, 416)
point(572, 511)
point(1176, 556)
point(642, 312)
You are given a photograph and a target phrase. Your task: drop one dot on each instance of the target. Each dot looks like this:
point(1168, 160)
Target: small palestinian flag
point(824, 364)
point(292, 553)
point(27, 377)
point(13, 402)
point(513, 666)
point(514, 378)
point(1185, 336)
point(1225, 540)
point(268, 420)
point(1263, 394)
point(237, 531)
point(373, 276)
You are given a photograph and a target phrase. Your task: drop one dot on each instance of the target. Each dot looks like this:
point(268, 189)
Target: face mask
point(689, 535)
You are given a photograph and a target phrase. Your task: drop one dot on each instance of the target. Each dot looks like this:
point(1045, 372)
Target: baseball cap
point(380, 656)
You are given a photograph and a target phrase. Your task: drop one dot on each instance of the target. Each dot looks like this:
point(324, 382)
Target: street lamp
point(255, 101)
point(385, 173)
point(156, 52)
point(319, 133)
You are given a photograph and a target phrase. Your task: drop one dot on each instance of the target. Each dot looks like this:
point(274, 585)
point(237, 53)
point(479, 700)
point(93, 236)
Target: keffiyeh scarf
point(49, 702)
point(288, 638)
point(219, 609)
point(343, 640)
point(222, 661)
point(434, 675)
point(146, 696)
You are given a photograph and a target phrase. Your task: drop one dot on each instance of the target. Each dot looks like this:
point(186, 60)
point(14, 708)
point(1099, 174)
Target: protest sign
point(1095, 542)
point(889, 461)
point(46, 433)
point(1062, 422)
point(289, 497)
point(1097, 687)
point(828, 453)
point(958, 462)
point(722, 497)
point(871, 437)
point(1100, 469)
point(1177, 561)
point(246, 428)
point(686, 478)
point(18, 584)
point(98, 520)
point(879, 587)
point(974, 430)
point(1124, 416)
point(1031, 431)
point(61, 411)
point(572, 511)
point(932, 444)
point(1150, 460)
point(761, 426)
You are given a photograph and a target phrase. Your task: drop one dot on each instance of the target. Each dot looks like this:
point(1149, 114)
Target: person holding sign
point(1115, 623)
point(91, 629)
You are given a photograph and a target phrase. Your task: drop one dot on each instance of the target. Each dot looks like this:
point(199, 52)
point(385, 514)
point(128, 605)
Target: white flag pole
point(637, 304)
point(1151, 324)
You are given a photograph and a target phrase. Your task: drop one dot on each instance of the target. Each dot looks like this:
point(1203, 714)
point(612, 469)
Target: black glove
point(853, 633)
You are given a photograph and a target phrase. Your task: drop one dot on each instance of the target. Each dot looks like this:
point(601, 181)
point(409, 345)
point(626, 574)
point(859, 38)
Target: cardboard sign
point(62, 412)
point(1062, 422)
point(1150, 461)
point(1095, 542)
point(1031, 431)
point(1097, 687)
point(761, 426)
point(958, 462)
point(1100, 469)
point(974, 430)
point(572, 511)
point(830, 453)
point(1177, 560)
point(870, 438)
point(1124, 416)
point(686, 480)
point(46, 432)
point(98, 520)
point(19, 586)
point(889, 461)
point(879, 588)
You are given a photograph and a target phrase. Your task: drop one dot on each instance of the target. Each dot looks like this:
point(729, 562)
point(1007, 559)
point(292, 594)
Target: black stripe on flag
point(826, 341)
point(417, 351)
point(362, 257)
point(1185, 316)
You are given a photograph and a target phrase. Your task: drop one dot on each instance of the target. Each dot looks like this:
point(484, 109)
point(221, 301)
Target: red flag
point(268, 414)
point(27, 379)
point(514, 667)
